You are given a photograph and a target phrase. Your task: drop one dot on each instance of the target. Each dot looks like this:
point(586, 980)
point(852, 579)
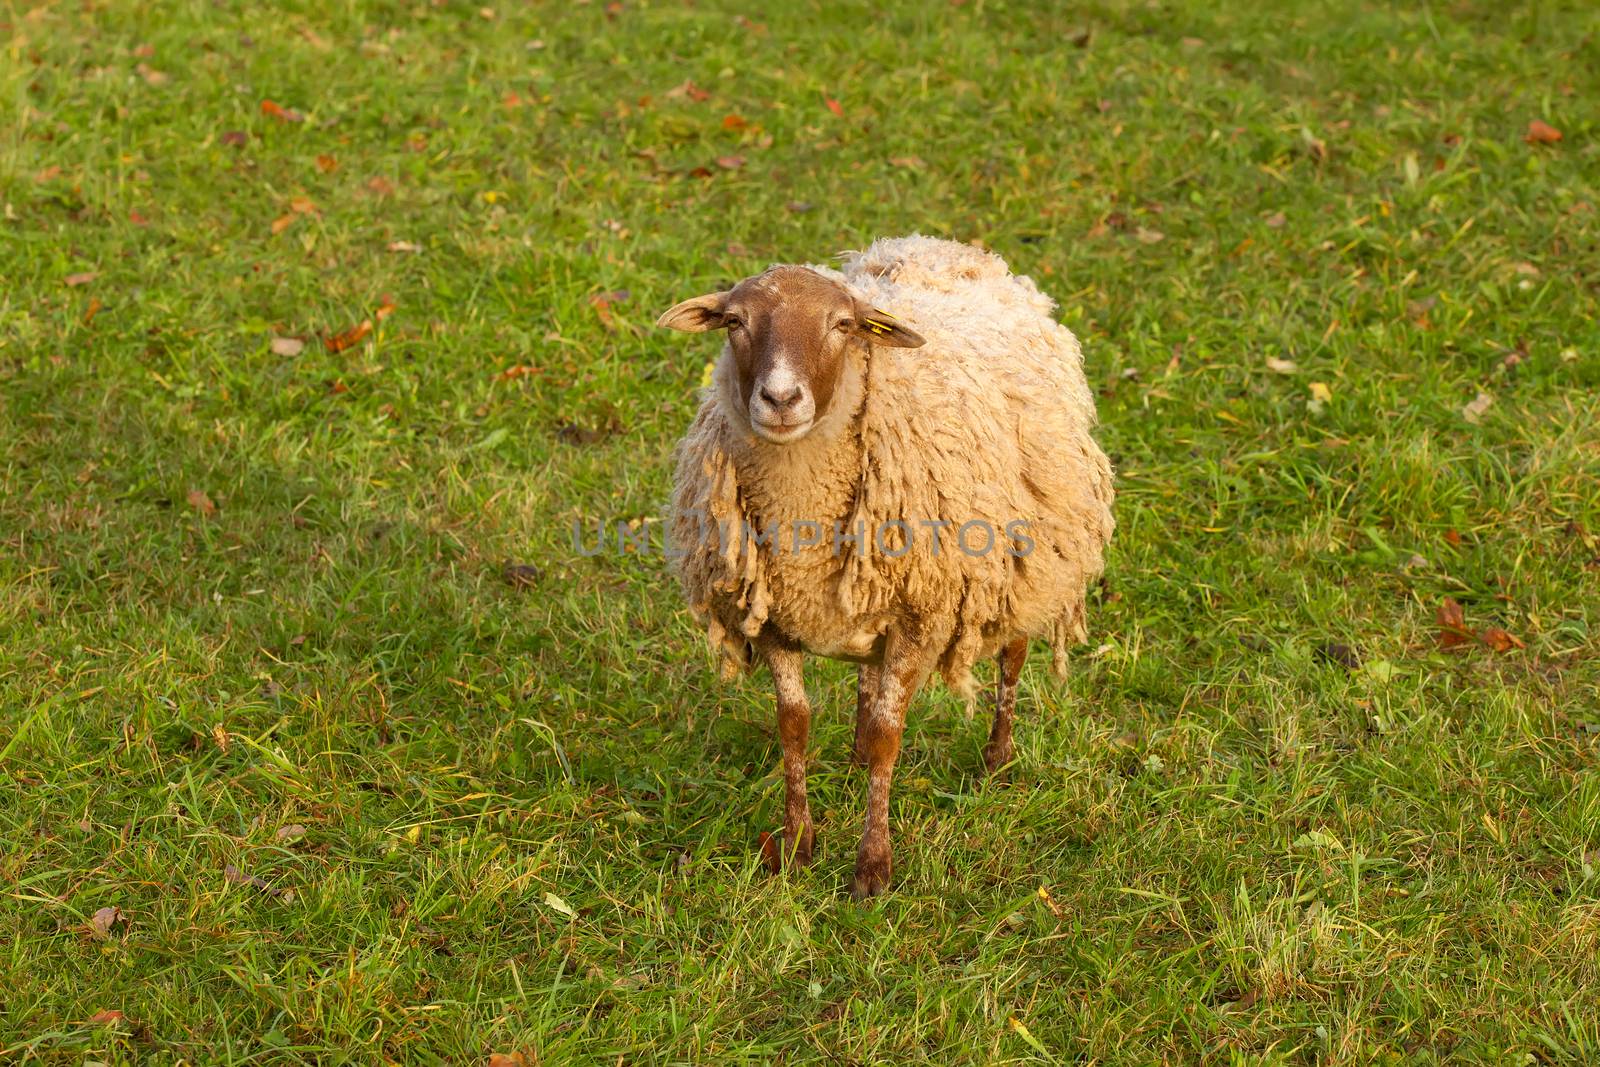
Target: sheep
point(862, 429)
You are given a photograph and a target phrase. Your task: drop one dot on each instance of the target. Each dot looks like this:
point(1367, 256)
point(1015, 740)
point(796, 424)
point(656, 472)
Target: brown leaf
point(92, 310)
point(327, 164)
point(1541, 133)
point(520, 574)
point(509, 1059)
point(1473, 411)
point(385, 308)
point(730, 162)
point(106, 1017)
point(1452, 622)
point(282, 222)
point(287, 346)
point(734, 122)
point(48, 174)
point(302, 205)
point(202, 502)
point(1500, 640)
point(237, 138)
point(101, 922)
point(136, 218)
point(1276, 220)
point(83, 278)
point(290, 834)
point(522, 370)
point(1147, 236)
point(834, 106)
point(1451, 537)
point(908, 162)
point(380, 186)
point(238, 877)
point(151, 75)
point(273, 109)
point(353, 336)
point(404, 246)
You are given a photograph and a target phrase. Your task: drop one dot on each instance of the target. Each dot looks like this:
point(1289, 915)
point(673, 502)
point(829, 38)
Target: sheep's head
point(789, 331)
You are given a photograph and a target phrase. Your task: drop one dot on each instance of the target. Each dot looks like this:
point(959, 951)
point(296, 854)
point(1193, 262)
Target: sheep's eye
point(845, 324)
point(735, 324)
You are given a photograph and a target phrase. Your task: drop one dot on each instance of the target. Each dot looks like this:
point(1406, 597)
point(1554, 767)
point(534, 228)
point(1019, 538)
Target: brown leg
point(907, 662)
point(997, 753)
point(794, 731)
point(866, 692)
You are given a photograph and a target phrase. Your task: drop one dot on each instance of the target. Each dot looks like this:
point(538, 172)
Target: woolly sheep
point(863, 429)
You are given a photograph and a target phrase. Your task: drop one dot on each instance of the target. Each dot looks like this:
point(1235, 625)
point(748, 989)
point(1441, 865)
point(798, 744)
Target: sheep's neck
point(809, 481)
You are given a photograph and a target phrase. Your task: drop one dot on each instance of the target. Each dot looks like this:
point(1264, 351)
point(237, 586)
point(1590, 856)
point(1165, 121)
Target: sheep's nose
point(781, 401)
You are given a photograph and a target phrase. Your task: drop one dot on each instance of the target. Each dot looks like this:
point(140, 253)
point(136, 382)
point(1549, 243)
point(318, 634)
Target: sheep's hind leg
point(866, 692)
point(794, 732)
point(906, 665)
point(997, 753)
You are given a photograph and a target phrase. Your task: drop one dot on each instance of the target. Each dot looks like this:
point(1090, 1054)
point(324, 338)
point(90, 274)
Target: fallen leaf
point(101, 922)
point(1276, 220)
point(834, 106)
point(1540, 132)
point(385, 308)
point(734, 122)
point(237, 138)
point(1473, 412)
point(798, 207)
point(48, 174)
point(380, 186)
point(1337, 652)
point(521, 370)
point(290, 834)
point(82, 279)
point(1320, 392)
point(106, 1017)
point(1452, 537)
point(1147, 236)
point(730, 162)
point(404, 246)
point(520, 574)
point(555, 903)
point(353, 336)
point(283, 222)
point(327, 164)
point(92, 310)
point(151, 75)
point(238, 877)
point(1500, 640)
point(689, 89)
point(201, 502)
point(908, 162)
point(1282, 366)
point(136, 218)
point(512, 1059)
point(286, 346)
point(1452, 622)
point(273, 109)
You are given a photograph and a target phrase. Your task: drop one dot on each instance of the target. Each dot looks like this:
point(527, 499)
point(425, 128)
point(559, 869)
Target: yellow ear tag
point(876, 327)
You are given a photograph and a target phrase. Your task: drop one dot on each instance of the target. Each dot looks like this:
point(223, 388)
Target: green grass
point(529, 811)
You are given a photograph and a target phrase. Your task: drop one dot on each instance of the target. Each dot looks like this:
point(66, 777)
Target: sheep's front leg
point(794, 733)
point(866, 693)
point(997, 753)
point(907, 661)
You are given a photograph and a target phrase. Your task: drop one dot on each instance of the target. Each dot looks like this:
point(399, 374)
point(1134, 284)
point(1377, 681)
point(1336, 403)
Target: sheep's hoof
point(872, 875)
point(995, 759)
point(780, 852)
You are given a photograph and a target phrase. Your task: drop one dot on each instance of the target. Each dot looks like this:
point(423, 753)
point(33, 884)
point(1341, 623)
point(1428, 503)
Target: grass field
point(266, 689)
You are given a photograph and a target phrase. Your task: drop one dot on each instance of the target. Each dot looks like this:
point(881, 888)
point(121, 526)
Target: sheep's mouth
point(781, 433)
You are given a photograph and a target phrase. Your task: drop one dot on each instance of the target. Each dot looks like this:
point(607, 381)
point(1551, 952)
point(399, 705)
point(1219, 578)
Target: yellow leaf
point(1320, 391)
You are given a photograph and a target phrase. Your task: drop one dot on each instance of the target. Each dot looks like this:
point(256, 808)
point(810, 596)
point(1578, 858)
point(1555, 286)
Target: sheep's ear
point(883, 328)
point(697, 314)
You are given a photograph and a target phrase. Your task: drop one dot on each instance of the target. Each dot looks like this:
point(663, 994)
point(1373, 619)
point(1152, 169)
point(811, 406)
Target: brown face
point(788, 330)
